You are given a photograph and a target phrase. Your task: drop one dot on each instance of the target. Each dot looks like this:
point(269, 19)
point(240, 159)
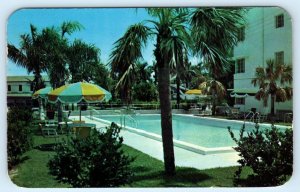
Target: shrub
point(96, 161)
point(268, 152)
point(19, 114)
point(19, 138)
point(145, 91)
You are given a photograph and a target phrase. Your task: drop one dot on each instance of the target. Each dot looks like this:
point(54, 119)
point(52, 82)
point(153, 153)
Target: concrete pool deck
point(182, 157)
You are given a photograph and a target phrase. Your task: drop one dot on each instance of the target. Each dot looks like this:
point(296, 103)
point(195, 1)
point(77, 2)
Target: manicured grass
point(148, 172)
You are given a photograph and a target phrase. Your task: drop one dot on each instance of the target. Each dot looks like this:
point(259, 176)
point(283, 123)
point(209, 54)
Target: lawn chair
point(233, 113)
point(82, 132)
point(48, 131)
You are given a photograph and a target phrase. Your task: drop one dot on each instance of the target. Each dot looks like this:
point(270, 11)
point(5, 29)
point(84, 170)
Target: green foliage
point(268, 152)
point(19, 139)
point(97, 161)
point(145, 91)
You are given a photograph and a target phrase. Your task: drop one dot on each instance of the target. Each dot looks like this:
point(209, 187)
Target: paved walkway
point(182, 157)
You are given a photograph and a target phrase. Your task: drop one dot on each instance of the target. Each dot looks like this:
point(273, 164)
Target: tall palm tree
point(55, 50)
point(169, 24)
point(214, 88)
point(275, 80)
point(29, 56)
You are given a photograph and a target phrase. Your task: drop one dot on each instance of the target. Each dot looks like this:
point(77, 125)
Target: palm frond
point(16, 55)
point(128, 49)
point(70, 27)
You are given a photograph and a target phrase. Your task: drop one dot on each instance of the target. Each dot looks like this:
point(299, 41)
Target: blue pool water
point(204, 132)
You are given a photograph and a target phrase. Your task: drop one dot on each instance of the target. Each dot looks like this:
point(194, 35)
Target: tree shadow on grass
point(185, 177)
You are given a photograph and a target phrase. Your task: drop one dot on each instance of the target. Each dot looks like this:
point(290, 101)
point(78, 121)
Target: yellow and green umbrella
point(42, 93)
point(77, 92)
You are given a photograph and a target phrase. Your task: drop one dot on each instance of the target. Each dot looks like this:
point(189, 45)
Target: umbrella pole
point(79, 112)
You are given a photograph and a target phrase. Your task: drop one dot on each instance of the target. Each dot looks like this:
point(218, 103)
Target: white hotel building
point(267, 34)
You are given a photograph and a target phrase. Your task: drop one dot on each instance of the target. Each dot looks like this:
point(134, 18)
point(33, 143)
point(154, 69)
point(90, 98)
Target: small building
point(267, 34)
point(20, 90)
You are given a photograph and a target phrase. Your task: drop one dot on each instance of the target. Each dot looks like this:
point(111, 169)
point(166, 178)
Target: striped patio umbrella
point(42, 93)
point(77, 92)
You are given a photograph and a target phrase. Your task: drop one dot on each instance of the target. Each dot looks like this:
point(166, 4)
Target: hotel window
point(240, 66)
point(240, 101)
point(279, 57)
point(9, 88)
point(279, 21)
point(241, 34)
point(20, 88)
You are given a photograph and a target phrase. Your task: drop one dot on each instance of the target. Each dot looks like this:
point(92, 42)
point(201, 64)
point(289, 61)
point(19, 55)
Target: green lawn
point(148, 172)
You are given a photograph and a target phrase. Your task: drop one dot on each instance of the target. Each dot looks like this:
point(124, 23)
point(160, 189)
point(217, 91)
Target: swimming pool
point(202, 135)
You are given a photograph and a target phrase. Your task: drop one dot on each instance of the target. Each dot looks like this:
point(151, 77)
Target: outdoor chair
point(78, 122)
point(82, 132)
point(233, 113)
point(48, 131)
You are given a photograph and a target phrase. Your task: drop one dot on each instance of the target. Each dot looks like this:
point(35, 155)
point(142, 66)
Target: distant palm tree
point(29, 56)
point(214, 88)
point(82, 59)
point(274, 80)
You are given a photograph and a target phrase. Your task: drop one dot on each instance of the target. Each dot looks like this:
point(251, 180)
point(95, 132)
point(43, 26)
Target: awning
point(241, 93)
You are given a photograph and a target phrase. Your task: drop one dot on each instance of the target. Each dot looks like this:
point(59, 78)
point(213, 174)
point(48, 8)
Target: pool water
point(199, 131)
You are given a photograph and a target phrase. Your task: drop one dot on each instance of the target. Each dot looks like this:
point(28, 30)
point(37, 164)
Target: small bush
point(19, 138)
point(19, 114)
point(268, 152)
point(96, 161)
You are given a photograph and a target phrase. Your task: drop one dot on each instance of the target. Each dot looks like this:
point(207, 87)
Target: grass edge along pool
point(182, 144)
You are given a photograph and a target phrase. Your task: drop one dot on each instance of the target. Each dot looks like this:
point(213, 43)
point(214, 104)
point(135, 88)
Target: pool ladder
point(130, 114)
point(254, 118)
point(91, 113)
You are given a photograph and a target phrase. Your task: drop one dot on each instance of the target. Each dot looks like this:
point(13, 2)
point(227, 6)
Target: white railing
point(255, 117)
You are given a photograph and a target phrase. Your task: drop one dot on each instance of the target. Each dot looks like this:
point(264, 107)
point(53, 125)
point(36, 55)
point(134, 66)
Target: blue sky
point(102, 27)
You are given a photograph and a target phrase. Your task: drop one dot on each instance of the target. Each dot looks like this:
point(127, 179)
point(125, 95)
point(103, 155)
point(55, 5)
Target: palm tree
point(275, 80)
point(170, 24)
point(82, 58)
point(55, 50)
point(125, 55)
point(214, 88)
point(29, 56)
point(56, 47)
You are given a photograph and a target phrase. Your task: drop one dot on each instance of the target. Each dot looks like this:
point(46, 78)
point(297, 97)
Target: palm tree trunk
point(166, 118)
point(272, 106)
point(178, 91)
